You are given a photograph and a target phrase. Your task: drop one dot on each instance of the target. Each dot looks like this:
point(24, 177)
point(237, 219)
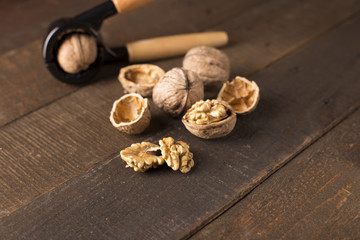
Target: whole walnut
point(177, 90)
point(211, 64)
point(77, 52)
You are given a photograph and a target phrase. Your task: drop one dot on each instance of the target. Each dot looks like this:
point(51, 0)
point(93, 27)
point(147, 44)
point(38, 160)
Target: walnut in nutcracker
point(211, 64)
point(177, 90)
point(210, 119)
point(77, 52)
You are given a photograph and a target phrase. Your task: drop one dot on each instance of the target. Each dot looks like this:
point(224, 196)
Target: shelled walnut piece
point(176, 155)
point(206, 112)
point(131, 114)
point(77, 52)
point(210, 119)
point(140, 78)
point(241, 94)
point(142, 156)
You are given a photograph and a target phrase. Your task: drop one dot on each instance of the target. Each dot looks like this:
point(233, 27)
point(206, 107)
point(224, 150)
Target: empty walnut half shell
point(131, 114)
point(140, 78)
point(241, 94)
point(210, 119)
point(142, 156)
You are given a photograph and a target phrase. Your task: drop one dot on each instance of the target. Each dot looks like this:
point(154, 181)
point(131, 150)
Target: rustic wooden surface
point(61, 176)
point(315, 196)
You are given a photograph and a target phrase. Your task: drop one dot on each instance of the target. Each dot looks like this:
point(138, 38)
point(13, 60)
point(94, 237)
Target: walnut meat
point(77, 53)
point(142, 156)
point(131, 114)
point(140, 78)
point(241, 94)
point(212, 65)
point(145, 155)
point(176, 155)
point(177, 90)
point(210, 119)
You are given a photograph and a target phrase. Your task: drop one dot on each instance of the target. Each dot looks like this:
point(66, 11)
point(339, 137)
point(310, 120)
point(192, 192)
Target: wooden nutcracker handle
point(128, 5)
point(163, 47)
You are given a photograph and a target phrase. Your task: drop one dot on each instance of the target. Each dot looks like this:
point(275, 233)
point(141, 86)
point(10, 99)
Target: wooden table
point(289, 170)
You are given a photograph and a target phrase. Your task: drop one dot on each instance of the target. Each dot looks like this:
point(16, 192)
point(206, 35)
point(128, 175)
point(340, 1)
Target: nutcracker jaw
point(88, 22)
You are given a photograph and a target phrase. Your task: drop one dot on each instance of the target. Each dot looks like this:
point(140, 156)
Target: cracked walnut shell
point(177, 90)
point(77, 52)
point(140, 78)
point(176, 155)
point(142, 156)
point(241, 94)
point(211, 64)
point(131, 114)
point(210, 119)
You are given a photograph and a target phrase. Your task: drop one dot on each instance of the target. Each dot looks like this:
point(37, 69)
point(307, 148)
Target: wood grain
point(16, 102)
point(260, 32)
point(302, 97)
point(37, 155)
point(315, 196)
point(25, 21)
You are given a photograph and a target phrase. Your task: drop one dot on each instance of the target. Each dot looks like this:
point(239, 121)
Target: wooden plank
point(26, 84)
point(315, 196)
point(302, 97)
point(249, 49)
point(26, 21)
point(21, 182)
point(25, 192)
point(24, 66)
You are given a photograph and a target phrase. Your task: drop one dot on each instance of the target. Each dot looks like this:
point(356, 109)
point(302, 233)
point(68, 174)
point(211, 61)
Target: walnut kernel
point(77, 53)
point(211, 64)
point(142, 156)
point(145, 155)
point(177, 90)
point(131, 114)
point(176, 155)
point(241, 94)
point(206, 112)
point(210, 119)
point(140, 78)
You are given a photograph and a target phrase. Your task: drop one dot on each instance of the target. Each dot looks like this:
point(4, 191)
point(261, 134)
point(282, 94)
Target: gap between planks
point(332, 122)
point(259, 195)
point(276, 169)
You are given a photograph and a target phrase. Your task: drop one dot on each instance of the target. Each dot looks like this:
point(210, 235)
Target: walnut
point(205, 112)
point(210, 119)
point(140, 78)
point(131, 114)
point(177, 90)
point(142, 156)
point(77, 52)
point(211, 64)
point(241, 94)
point(176, 155)
point(145, 155)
